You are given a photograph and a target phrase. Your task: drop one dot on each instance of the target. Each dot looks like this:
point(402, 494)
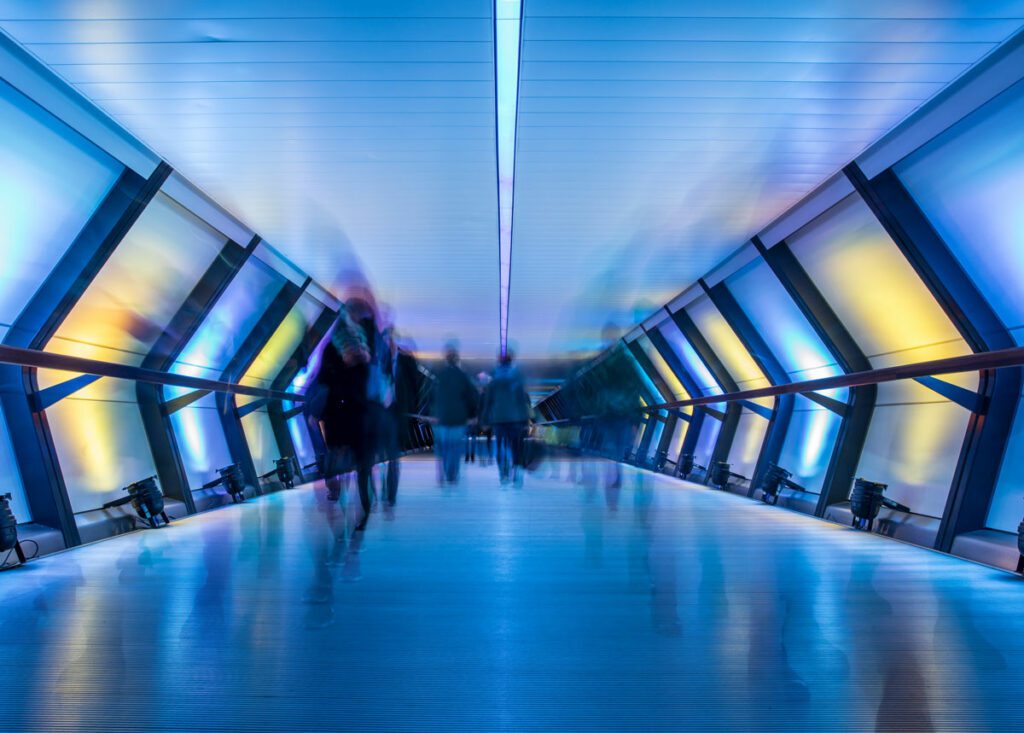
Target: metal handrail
point(44, 360)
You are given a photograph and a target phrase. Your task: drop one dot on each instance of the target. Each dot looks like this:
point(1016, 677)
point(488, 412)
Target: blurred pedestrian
point(455, 404)
point(359, 389)
point(395, 431)
point(506, 410)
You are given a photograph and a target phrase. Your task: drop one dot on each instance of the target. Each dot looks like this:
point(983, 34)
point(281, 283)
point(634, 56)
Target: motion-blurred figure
point(484, 432)
point(506, 409)
point(359, 389)
point(455, 404)
point(404, 374)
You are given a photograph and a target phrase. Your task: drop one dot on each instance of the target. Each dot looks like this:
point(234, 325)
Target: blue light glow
point(507, 15)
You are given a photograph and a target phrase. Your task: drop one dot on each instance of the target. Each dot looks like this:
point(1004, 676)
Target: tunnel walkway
point(551, 607)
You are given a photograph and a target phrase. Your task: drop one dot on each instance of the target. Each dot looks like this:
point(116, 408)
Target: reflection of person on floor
point(506, 409)
point(455, 404)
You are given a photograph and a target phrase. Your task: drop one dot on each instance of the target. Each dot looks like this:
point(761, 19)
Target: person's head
point(360, 310)
point(507, 357)
point(451, 353)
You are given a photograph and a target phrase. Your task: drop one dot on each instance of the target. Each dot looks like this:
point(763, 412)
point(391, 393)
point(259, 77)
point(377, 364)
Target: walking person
point(455, 404)
point(405, 377)
point(506, 410)
point(359, 391)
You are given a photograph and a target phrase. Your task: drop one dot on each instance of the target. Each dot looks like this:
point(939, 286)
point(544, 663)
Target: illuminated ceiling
point(653, 137)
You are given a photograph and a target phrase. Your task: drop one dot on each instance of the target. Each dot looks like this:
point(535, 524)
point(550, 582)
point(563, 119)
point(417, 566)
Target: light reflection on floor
point(558, 606)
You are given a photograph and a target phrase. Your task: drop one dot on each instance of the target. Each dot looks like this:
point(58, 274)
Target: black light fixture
point(9, 529)
point(866, 499)
point(284, 469)
point(686, 463)
point(146, 499)
point(720, 474)
point(774, 479)
point(234, 482)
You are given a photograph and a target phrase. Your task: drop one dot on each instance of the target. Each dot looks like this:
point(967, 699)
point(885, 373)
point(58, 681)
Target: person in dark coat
point(405, 375)
point(507, 410)
point(455, 404)
point(358, 392)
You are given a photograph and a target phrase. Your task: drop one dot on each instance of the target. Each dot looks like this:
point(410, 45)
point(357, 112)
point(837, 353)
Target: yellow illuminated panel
point(140, 288)
point(664, 371)
point(873, 289)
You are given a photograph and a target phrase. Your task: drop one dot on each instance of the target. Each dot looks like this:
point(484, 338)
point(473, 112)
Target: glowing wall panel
point(812, 431)
point(10, 477)
point(101, 442)
point(51, 181)
point(664, 371)
point(705, 446)
point(142, 285)
point(1008, 502)
point(201, 441)
point(915, 435)
point(678, 436)
point(229, 322)
point(304, 449)
point(873, 289)
point(259, 435)
point(751, 429)
point(281, 345)
point(969, 182)
point(197, 428)
point(696, 368)
point(652, 393)
point(746, 446)
point(809, 443)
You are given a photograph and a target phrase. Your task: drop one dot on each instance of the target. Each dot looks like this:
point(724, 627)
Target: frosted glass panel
point(10, 477)
point(201, 440)
point(287, 337)
point(706, 440)
point(874, 291)
point(101, 442)
point(141, 287)
point(260, 437)
point(726, 344)
point(914, 447)
point(746, 445)
point(300, 439)
point(696, 368)
point(809, 442)
point(51, 181)
point(780, 322)
point(1007, 508)
point(664, 371)
point(229, 323)
point(969, 181)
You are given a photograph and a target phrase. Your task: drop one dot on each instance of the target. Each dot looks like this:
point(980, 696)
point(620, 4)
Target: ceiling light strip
point(507, 27)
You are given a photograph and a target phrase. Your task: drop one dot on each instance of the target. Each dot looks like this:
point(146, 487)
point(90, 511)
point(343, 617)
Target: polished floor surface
point(558, 606)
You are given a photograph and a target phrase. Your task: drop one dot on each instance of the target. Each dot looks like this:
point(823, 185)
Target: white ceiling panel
point(357, 137)
point(655, 137)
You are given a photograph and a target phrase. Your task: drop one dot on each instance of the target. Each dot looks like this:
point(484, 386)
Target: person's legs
point(393, 452)
point(452, 459)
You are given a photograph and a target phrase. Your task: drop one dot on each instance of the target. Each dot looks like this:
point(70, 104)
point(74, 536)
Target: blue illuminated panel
point(51, 181)
point(234, 315)
point(813, 429)
point(696, 368)
point(229, 322)
point(10, 477)
point(969, 182)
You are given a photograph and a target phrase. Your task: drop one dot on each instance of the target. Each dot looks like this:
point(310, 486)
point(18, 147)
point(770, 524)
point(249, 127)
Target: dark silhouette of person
point(506, 409)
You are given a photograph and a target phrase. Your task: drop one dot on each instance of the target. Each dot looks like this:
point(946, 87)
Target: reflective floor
point(558, 606)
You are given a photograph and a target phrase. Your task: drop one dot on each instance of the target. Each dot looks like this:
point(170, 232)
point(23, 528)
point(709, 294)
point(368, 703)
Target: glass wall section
point(98, 430)
point(752, 427)
point(702, 376)
point(675, 386)
point(297, 425)
point(969, 182)
point(207, 354)
point(651, 395)
point(915, 436)
point(51, 182)
point(813, 429)
point(271, 361)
